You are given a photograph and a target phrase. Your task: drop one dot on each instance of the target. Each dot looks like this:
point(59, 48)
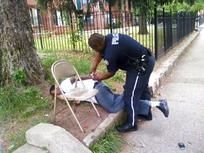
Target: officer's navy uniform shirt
point(119, 48)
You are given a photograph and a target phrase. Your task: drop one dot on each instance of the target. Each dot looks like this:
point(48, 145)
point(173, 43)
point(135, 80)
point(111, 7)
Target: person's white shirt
point(67, 86)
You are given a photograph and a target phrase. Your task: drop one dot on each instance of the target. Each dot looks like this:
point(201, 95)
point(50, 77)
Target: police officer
point(120, 51)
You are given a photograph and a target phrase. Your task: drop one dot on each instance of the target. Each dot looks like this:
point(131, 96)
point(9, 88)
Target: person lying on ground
point(110, 101)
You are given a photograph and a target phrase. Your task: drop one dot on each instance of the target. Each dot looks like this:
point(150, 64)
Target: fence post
point(155, 31)
point(72, 31)
point(110, 16)
point(164, 28)
point(39, 28)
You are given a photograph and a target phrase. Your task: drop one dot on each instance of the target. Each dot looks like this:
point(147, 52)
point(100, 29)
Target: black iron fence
point(200, 19)
point(156, 30)
point(172, 27)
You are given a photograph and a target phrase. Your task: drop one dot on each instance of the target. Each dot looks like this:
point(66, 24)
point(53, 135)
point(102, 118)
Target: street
point(184, 90)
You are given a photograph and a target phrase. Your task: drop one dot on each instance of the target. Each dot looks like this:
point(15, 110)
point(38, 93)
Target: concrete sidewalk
point(162, 69)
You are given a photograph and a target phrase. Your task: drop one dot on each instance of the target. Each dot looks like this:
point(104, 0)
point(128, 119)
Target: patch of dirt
point(86, 115)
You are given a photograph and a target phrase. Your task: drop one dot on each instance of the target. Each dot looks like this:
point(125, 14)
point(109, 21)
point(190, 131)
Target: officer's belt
point(140, 63)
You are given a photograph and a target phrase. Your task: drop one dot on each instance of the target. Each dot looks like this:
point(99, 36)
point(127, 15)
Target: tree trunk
point(50, 12)
point(17, 49)
point(142, 25)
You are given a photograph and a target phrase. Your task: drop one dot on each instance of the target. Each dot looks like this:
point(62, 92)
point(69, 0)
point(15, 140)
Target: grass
point(110, 143)
point(18, 103)
point(61, 42)
point(17, 139)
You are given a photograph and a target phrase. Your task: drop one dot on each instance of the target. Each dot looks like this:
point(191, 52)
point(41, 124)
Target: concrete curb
point(156, 79)
point(109, 122)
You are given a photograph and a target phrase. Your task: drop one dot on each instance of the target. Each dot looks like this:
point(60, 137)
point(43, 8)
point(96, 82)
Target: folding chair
point(61, 70)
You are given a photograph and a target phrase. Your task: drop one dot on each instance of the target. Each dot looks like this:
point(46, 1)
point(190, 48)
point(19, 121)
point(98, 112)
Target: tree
point(51, 5)
point(17, 51)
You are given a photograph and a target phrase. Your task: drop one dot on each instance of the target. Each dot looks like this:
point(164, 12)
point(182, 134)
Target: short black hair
point(95, 40)
point(51, 89)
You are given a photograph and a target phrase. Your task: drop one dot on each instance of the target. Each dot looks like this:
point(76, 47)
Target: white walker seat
point(61, 70)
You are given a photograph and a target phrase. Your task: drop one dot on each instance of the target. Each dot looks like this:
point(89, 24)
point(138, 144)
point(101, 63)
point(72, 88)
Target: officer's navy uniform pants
point(136, 88)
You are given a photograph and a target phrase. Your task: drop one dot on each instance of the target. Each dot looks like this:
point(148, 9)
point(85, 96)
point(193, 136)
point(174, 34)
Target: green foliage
point(199, 5)
point(75, 36)
point(110, 143)
point(185, 6)
point(19, 77)
point(47, 63)
point(17, 103)
point(43, 3)
point(82, 65)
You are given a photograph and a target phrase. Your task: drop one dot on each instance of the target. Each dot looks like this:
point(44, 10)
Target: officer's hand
point(97, 76)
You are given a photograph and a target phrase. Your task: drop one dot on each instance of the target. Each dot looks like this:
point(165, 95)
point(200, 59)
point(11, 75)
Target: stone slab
point(55, 139)
point(26, 148)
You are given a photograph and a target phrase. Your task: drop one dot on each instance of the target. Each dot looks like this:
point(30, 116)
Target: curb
point(156, 79)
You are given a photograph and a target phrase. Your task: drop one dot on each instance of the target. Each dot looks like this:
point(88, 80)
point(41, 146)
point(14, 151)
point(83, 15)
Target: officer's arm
point(102, 75)
point(96, 61)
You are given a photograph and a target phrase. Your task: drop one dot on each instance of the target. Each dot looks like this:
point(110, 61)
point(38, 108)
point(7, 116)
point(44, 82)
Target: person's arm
point(83, 77)
point(96, 61)
point(102, 75)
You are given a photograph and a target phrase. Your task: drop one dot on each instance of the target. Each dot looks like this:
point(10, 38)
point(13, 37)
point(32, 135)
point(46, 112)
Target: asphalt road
point(184, 90)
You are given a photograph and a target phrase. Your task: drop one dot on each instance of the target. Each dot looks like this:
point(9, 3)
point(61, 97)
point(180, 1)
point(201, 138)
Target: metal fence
point(158, 31)
point(200, 19)
point(171, 28)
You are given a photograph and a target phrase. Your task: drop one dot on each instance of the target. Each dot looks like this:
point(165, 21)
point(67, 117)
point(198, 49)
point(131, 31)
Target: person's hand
point(97, 76)
point(92, 75)
point(101, 75)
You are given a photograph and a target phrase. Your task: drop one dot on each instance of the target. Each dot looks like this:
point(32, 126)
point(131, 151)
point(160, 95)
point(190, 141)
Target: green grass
point(110, 143)
point(18, 103)
point(61, 42)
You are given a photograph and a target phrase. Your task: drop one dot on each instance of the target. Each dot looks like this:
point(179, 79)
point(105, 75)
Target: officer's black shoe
point(163, 106)
point(127, 127)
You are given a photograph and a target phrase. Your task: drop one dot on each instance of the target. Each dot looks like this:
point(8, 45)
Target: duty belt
point(140, 63)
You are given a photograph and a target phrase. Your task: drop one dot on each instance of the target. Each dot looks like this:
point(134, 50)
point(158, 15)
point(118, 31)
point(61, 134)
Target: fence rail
point(158, 31)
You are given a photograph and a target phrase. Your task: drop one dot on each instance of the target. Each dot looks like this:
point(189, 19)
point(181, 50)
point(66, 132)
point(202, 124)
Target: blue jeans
point(113, 103)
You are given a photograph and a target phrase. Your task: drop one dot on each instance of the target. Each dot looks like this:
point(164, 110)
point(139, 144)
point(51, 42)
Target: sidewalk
point(162, 69)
